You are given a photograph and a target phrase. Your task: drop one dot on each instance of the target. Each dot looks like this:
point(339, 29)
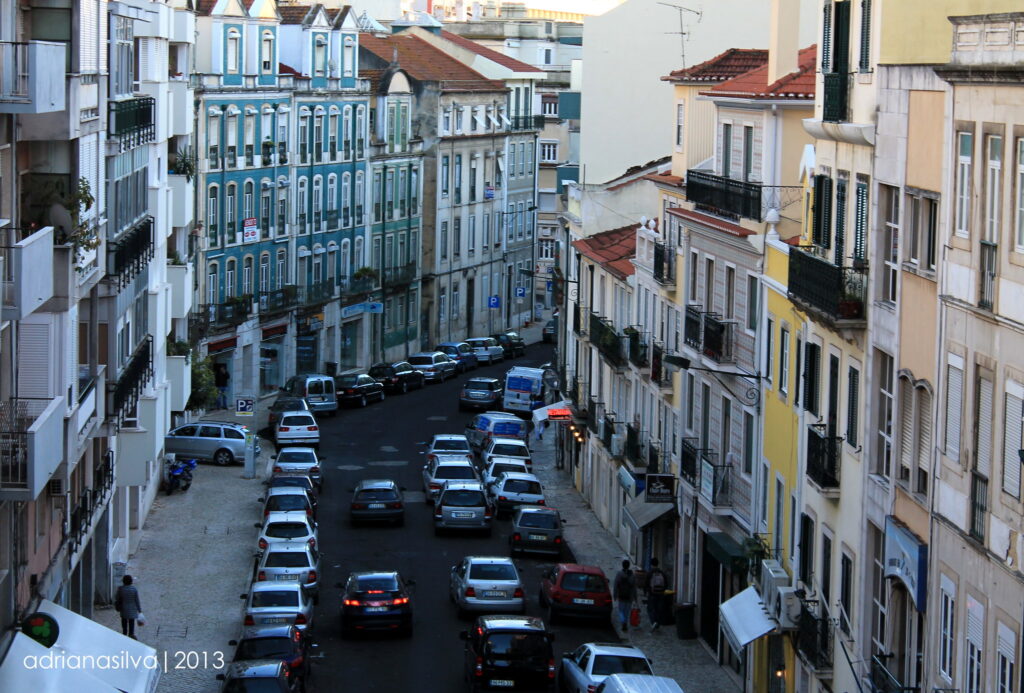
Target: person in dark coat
point(221, 378)
point(128, 605)
point(624, 589)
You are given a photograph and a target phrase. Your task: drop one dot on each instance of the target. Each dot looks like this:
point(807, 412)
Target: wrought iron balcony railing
point(278, 300)
point(133, 122)
point(132, 380)
point(608, 430)
point(718, 338)
point(592, 417)
point(836, 294)
point(688, 456)
point(531, 122)
point(664, 264)
point(359, 285)
point(987, 274)
point(609, 343)
point(398, 277)
point(634, 449)
point(282, 153)
point(318, 293)
point(19, 417)
point(884, 681)
point(637, 349)
point(129, 254)
point(814, 637)
point(659, 375)
point(734, 198)
point(837, 96)
point(692, 326)
point(232, 312)
point(823, 457)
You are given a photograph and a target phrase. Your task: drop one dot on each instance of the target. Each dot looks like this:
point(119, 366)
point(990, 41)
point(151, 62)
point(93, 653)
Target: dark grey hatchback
point(377, 499)
point(480, 393)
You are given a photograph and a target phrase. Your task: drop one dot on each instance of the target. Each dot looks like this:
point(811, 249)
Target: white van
point(524, 390)
point(318, 391)
point(638, 683)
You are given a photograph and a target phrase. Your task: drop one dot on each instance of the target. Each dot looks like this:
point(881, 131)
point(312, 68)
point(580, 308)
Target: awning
point(906, 559)
point(744, 619)
point(639, 513)
point(542, 413)
point(727, 551)
point(29, 666)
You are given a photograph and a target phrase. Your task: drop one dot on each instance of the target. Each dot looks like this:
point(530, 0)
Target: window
point(456, 241)
point(549, 152)
point(769, 349)
point(229, 214)
point(267, 52)
point(1006, 647)
point(446, 121)
point(879, 593)
point(1019, 196)
point(471, 235)
point(247, 200)
point(798, 371)
point(842, 185)
point(806, 550)
point(983, 429)
point(442, 305)
point(212, 216)
point(826, 570)
point(705, 415)
point(947, 630)
point(522, 158)
point(511, 161)
point(691, 388)
point(231, 59)
point(726, 149)
point(549, 107)
point(458, 179)
point(473, 177)
point(993, 180)
point(444, 240)
point(965, 150)
point(748, 153)
point(709, 285)
point(749, 442)
point(975, 640)
point(320, 56)
point(860, 219)
point(229, 280)
point(445, 176)
point(680, 124)
point(725, 430)
point(883, 440)
point(694, 271)
point(730, 292)
point(753, 294)
point(784, 361)
point(891, 241)
point(921, 232)
point(821, 218)
point(845, 592)
point(852, 406)
point(777, 530)
point(455, 300)
point(812, 376)
point(1012, 438)
point(125, 55)
point(865, 36)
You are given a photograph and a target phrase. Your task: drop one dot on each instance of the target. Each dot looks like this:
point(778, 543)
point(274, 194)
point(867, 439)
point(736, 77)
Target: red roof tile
point(204, 7)
point(496, 56)
point(426, 63)
point(754, 84)
point(614, 250)
point(710, 221)
point(731, 63)
point(665, 178)
point(293, 14)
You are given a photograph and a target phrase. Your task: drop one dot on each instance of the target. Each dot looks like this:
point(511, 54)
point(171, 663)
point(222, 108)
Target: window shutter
point(865, 35)
point(35, 376)
point(860, 220)
point(954, 399)
point(906, 424)
point(817, 216)
point(841, 185)
point(841, 48)
point(826, 212)
point(924, 429)
point(975, 622)
point(852, 406)
point(799, 372)
point(826, 36)
point(1006, 641)
point(1012, 444)
point(144, 60)
point(89, 27)
point(811, 378)
point(983, 451)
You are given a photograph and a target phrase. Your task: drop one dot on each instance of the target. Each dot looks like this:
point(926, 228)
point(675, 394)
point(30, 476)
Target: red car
point(577, 590)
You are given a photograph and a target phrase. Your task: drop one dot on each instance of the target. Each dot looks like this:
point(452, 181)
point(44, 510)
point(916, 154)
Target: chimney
point(782, 40)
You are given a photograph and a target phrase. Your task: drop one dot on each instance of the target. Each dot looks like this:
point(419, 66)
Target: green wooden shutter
point(865, 35)
point(811, 374)
point(841, 186)
point(841, 48)
point(860, 220)
point(826, 36)
point(852, 405)
point(816, 213)
point(799, 372)
point(826, 212)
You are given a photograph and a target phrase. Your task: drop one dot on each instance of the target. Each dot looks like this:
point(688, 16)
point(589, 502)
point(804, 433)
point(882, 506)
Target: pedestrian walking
point(657, 583)
point(221, 378)
point(624, 591)
point(127, 604)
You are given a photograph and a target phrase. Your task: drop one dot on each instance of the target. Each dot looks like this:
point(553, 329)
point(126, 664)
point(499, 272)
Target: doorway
point(470, 303)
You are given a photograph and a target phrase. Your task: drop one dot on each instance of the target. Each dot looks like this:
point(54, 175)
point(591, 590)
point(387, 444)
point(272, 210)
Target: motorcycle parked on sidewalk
point(179, 475)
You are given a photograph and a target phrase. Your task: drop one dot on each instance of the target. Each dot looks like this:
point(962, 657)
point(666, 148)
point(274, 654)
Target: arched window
point(303, 204)
point(357, 255)
point(282, 211)
point(350, 56)
point(281, 270)
point(229, 279)
point(346, 133)
point(346, 260)
point(247, 201)
point(234, 42)
point(318, 264)
point(212, 280)
point(247, 275)
point(360, 131)
point(332, 191)
point(267, 52)
point(266, 208)
point(318, 203)
point(320, 56)
point(212, 216)
point(265, 272)
point(346, 196)
point(301, 266)
point(359, 199)
point(229, 213)
point(332, 262)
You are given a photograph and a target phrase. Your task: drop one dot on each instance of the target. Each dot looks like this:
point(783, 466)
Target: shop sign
point(661, 488)
point(250, 232)
point(707, 480)
point(354, 309)
point(906, 559)
point(559, 415)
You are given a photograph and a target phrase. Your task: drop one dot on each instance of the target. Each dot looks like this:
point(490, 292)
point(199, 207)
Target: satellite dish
point(643, 220)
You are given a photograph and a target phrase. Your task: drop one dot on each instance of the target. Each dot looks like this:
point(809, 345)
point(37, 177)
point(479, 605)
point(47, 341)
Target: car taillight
point(314, 470)
point(551, 668)
point(249, 621)
point(312, 428)
point(502, 498)
point(311, 576)
point(401, 600)
point(591, 688)
point(312, 541)
point(479, 671)
point(540, 502)
point(470, 592)
point(266, 513)
point(517, 537)
point(395, 505)
point(434, 486)
point(395, 379)
point(296, 663)
point(277, 468)
point(358, 506)
point(261, 575)
point(431, 457)
point(283, 429)
point(558, 540)
point(300, 619)
point(309, 512)
point(518, 594)
point(350, 392)
point(263, 543)
point(351, 602)
point(488, 512)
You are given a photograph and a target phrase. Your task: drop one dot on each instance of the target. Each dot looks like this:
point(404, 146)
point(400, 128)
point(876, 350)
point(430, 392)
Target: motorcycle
point(179, 475)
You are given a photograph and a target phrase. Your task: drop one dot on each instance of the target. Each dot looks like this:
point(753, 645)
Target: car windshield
point(487, 387)
point(298, 421)
point(539, 520)
point(283, 503)
point(258, 648)
point(517, 645)
point(510, 449)
point(421, 360)
point(492, 571)
point(377, 494)
point(291, 481)
point(464, 499)
point(457, 444)
point(522, 486)
point(606, 665)
point(583, 582)
point(253, 685)
point(275, 598)
point(498, 469)
point(454, 471)
point(289, 404)
point(287, 559)
point(378, 583)
point(287, 530)
point(296, 456)
point(376, 372)
point(346, 380)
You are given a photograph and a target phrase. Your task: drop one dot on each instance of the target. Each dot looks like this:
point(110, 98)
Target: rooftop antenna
point(683, 33)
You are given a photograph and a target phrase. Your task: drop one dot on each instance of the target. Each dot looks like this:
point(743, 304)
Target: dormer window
point(234, 38)
point(320, 56)
point(267, 51)
point(350, 56)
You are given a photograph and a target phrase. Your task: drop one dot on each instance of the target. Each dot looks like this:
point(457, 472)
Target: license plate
point(288, 577)
point(375, 609)
point(275, 619)
point(537, 537)
point(582, 601)
point(375, 506)
point(462, 513)
point(477, 395)
point(494, 593)
point(504, 683)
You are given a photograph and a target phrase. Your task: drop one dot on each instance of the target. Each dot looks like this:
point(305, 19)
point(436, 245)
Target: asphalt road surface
point(382, 441)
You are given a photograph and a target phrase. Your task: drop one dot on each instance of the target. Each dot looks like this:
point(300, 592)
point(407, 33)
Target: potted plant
point(365, 273)
point(184, 164)
point(174, 258)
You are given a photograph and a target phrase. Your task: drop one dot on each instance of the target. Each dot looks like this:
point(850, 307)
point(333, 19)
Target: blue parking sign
point(520, 292)
point(494, 302)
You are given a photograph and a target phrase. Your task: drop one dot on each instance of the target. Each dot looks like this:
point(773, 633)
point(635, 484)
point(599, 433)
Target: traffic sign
point(245, 406)
point(494, 302)
point(550, 286)
point(520, 292)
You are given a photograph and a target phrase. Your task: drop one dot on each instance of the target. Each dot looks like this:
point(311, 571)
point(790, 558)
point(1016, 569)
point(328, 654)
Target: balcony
point(277, 301)
point(823, 456)
point(633, 448)
point(665, 264)
point(715, 481)
point(130, 254)
point(577, 320)
point(133, 121)
point(317, 294)
point(282, 153)
point(637, 349)
point(836, 295)
point(182, 200)
point(132, 380)
point(692, 327)
point(688, 460)
point(659, 376)
point(814, 638)
point(884, 681)
point(31, 445)
point(530, 122)
point(579, 385)
point(26, 269)
point(722, 195)
point(835, 107)
point(718, 338)
point(179, 377)
point(592, 417)
point(607, 431)
point(32, 77)
point(611, 344)
point(359, 285)
point(398, 277)
point(232, 312)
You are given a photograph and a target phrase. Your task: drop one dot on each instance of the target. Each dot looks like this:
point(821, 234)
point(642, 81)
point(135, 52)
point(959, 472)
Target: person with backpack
point(657, 583)
point(624, 592)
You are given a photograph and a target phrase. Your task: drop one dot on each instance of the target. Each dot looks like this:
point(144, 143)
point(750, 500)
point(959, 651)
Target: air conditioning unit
point(55, 487)
point(787, 608)
point(773, 578)
point(618, 444)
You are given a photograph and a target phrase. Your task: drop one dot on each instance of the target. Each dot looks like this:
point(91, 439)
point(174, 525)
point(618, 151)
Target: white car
point(297, 428)
point(286, 526)
point(301, 461)
point(486, 349)
point(591, 663)
point(499, 465)
point(507, 447)
point(511, 489)
point(277, 603)
point(449, 445)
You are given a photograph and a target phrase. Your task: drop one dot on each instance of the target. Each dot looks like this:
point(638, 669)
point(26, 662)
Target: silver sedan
point(278, 604)
point(486, 584)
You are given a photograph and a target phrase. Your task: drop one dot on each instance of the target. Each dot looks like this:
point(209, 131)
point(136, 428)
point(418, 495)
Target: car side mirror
point(242, 596)
point(261, 500)
point(464, 635)
point(257, 525)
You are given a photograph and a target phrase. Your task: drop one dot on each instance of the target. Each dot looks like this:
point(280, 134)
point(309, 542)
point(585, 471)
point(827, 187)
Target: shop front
point(722, 575)
point(348, 348)
point(307, 343)
point(272, 358)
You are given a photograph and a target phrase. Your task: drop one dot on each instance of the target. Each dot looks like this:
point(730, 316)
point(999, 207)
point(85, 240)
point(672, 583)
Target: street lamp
point(753, 395)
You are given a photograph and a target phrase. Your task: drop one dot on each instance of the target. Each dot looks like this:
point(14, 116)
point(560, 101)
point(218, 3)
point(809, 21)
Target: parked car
point(507, 447)
point(511, 343)
point(287, 644)
point(461, 352)
point(449, 445)
point(463, 505)
point(288, 499)
point(377, 499)
point(318, 391)
point(278, 603)
point(441, 469)
point(525, 390)
point(486, 583)
point(286, 526)
point(264, 675)
point(300, 461)
point(512, 489)
point(376, 601)
point(588, 665)
point(285, 403)
point(434, 365)
point(509, 652)
point(486, 349)
point(359, 388)
point(638, 683)
point(480, 393)
point(292, 480)
point(536, 529)
point(399, 376)
point(550, 331)
point(497, 466)
point(573, 589)
point(292, 561)
point(219, 442)
point(493, 424)
point(297, 428)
